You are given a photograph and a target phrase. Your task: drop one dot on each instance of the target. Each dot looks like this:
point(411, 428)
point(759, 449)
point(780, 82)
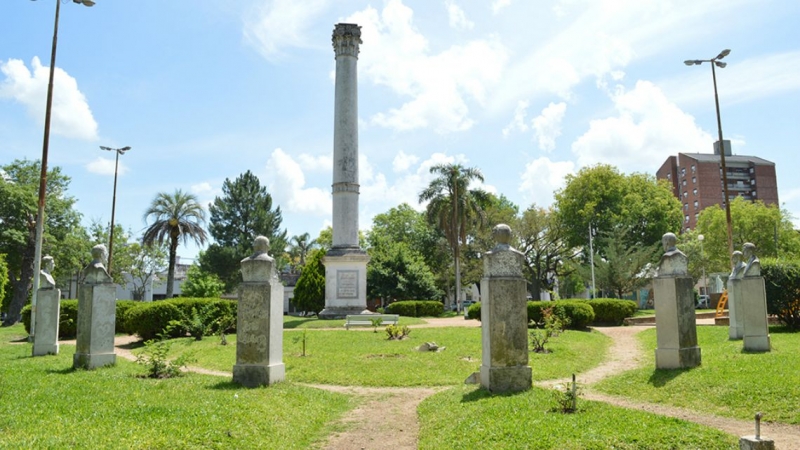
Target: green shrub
point(611, 311)
point(68, 317)
point(416, 308)
point(575, 314)
point(782, 284)
point(474, 311)
point(169, 317)
point(122, 308)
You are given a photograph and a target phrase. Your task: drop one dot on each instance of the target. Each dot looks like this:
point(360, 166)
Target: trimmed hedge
point(782, 283)
point(579, 313)
point(68, 317)
point(611, 311)
point(416, 308)
point(149, 320)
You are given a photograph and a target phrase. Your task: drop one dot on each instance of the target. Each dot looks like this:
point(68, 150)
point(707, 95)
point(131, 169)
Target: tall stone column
point(48, 309)
point(676, 327)
point(259, 321)
point(504, 318)
point(346, 262)
point(97, 312)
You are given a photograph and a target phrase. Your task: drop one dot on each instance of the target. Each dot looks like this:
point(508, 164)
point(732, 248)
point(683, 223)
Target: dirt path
point(388, 416)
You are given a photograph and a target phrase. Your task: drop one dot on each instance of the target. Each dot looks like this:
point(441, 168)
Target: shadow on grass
point(782, 329)
point(226, 386)
point(661, 377)
point(294, 323)
point(64, 371)
point(480, 393)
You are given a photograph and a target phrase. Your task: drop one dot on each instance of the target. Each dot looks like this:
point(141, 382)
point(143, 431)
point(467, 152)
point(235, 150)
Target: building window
point(686, 218)
point(685, 206)
point(694, 191)
point(753, 182)
point(683, 171)
point(752, 170)
point(685, 194)
point(669, 176)
point(696, 215)
point(696, 204)
point(694, 180)
point(754, 194)
point(693, 169)
point(684, 182)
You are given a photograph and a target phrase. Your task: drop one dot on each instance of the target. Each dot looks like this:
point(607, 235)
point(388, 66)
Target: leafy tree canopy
point(201, 285)
point(309, 292)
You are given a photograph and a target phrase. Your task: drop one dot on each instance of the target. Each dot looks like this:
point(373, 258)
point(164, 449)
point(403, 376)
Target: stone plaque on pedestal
point(97, 312)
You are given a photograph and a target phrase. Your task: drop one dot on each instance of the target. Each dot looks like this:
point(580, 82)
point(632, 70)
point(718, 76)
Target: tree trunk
point(173, 255)
point(536, 289)
point(21, 285)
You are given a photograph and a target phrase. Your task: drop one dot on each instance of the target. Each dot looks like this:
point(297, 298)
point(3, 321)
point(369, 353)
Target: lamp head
point(723, 53)
point(85, 2)
point(720, 64)
point(689, 62)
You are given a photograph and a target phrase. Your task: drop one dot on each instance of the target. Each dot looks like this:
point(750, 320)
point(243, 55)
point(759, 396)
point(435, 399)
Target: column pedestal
point(97, 311)
point(754, 311)
point(676, 328)
point(48, 304)
point(735, 313)
point(345, 283)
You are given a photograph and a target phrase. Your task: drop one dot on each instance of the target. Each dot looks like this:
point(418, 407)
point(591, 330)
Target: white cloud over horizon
point(547, 125)
point(541, 178)
point(457, 16)
point(105, 166)
point(71, 116)
point(276, 25)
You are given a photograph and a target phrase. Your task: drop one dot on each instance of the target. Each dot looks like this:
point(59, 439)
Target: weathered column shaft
point(346, 39)
point(97, 312)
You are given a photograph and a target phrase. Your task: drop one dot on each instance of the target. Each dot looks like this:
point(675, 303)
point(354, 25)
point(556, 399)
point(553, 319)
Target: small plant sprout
point(376, 322)
point(302, 338)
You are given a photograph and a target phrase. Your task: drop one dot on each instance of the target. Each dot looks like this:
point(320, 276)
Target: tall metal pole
point(37, 254)
point(118, 151)
point(591, 257)
point(722, 163)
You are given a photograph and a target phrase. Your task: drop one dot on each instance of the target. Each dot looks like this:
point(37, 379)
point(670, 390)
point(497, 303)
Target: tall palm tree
point(454, 208)
point(301, 245)
point(176, 216)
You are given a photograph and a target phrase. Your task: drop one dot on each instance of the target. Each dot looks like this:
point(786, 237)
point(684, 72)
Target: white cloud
point(497, 5)
point(278, 24)
point(321, 163)
point(646, 130)
point(205, 193)
point(103, 166)
point(541, 178)
point(287, 184)
point(70, 116)
point(402, 161)
point(547, 126)
point(457, 16)
point(396, 55)
point(518, 122)
point(203, 188)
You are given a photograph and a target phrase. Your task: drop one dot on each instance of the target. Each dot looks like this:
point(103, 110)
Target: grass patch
point(467, 417)
point(363, 358)
point(46, 404)
point(291, 322)
point(729, 382)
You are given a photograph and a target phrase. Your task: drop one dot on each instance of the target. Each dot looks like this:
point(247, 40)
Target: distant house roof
point(711, 157)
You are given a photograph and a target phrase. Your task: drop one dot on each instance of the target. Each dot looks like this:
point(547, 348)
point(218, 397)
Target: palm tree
point(174, 217)
point(454, 208)
point(300, 246)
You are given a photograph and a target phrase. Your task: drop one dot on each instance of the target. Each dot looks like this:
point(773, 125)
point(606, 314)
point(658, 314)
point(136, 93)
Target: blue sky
point(525, 91)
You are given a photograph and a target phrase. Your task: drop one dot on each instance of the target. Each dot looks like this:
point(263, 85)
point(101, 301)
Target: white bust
point(46, 280)
point(673, 262)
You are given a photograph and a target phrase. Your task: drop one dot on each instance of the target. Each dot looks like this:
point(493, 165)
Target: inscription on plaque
point(347, 283)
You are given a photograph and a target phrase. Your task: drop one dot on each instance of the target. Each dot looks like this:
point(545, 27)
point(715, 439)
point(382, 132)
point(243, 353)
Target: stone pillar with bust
point(259, 321)
point(676, 327)
point(345, 263)
point(735, 313)
point(97, 313)
point(504, 317)
point(48, 308)
point(754, 303)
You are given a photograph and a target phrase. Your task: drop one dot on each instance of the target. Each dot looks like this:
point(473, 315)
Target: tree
point(242, 213)
point(496, 210)
point(397, 272)
point(605, 199)
point(309, 292)
point(201, 285)
point(766, 226)
point(18, 210)
point(622, 268)
point(299, 246)
point(175, 217)
point(542, 239)
point(454, 208)
point(146, 262)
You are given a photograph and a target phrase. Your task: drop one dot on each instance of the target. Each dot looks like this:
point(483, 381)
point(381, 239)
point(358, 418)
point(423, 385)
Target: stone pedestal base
point(735, 313)
point(506, 379)
point(677, 358)
point(751, 443)
point(676, 327)
point(93, 360)
point(45, 339)
point(345, 282)
point(753, 308)
point(255, 375)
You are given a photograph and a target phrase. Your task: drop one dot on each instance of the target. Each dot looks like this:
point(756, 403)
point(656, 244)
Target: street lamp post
point(715, 62)
point(703, 263)
point(37, 254)
point(118, 151)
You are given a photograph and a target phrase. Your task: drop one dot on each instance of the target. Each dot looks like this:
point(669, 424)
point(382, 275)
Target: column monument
point(345, 263)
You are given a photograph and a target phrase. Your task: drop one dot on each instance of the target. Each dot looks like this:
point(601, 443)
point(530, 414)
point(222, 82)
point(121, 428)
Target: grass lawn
point(728, 383)
point(467, 417)
point(364, 358)
point(290, 322)
point(45, 404)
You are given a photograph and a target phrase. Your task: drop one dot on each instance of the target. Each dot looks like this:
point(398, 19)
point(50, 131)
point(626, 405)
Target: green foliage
point(782, 283)
point(496, 210)
point(566, 397)
point(578, 314)
point(175, 217)
point(611, 311)
point(309, 292)
point(299, 246)
point(621, 269)
point(474, 311)
point(149, 320)
point(154, 357)
point(175, 318)
point(554, 323)
point(416, 308)
point(767, 226)
point(397, 332)
point(204, 320)
point(68, 317)
point(397, 272)
point(605, 199)
point(3, 281)
point(201, 285)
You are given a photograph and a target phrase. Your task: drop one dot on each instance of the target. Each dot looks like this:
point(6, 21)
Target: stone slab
point(676, 327)
point(45, 341)
point(506, 379)
point(93, 360)
point(754, 311)
point(97, 306)
point(753, 443)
